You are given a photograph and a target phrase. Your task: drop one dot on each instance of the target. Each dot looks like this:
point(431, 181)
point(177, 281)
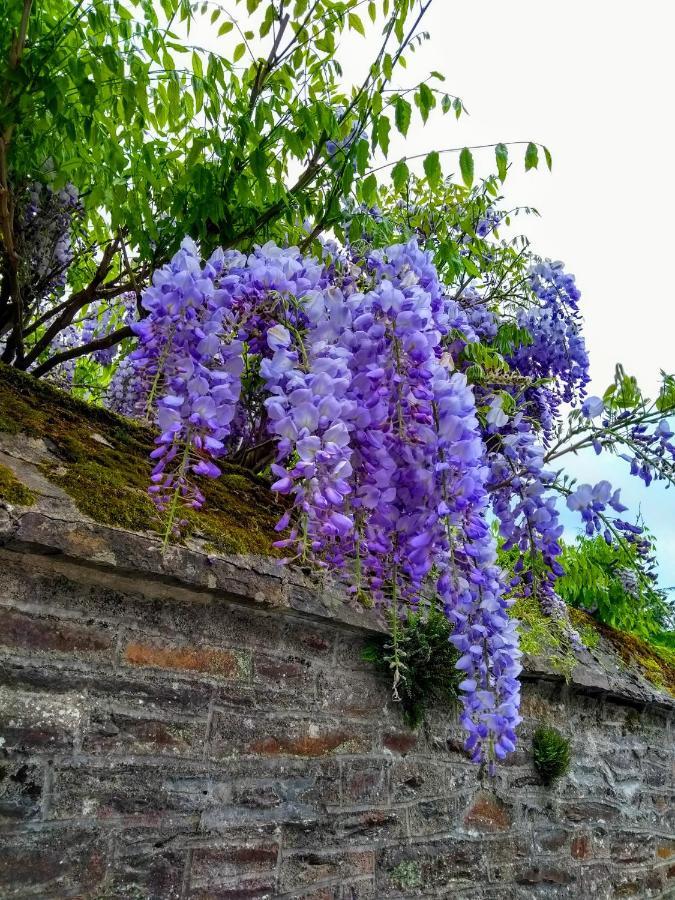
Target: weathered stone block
point(152, 876)
point(31, 720)
point(273, 735)
point(413, 778)
point(20, 631)
point(370, 828)
point(438, 816)
point(543, 874)
point(214, 867)
point(21, 785)
point(550, 840)
point(284, 672)
point(364, 781)
point(630, 849)
point(591, 811)
point(299, 869)
point(442, 865)
point(126, 790)
point(52, 863)
point(114, 731)
point(257, 887)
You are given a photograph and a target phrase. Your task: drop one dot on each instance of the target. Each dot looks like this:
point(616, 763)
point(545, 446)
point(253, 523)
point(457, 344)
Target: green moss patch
point(652, 661)
point(101, 461)
point(13, 491)
point(542, 636)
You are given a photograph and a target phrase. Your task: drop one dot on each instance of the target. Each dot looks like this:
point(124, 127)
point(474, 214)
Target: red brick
point(215, 866)
point(203, 660)
point(303, 745)
point(399, 741)
point(581, 846)
point(363, 781)
point(237, 733)
point(665, 851)
point(289, 672)
point(488, 813)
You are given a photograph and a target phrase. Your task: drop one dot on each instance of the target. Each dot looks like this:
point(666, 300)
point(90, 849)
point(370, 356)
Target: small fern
point(424, 659)
point(551, 753)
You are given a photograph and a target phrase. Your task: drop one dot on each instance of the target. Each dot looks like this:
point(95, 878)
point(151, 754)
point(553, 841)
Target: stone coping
point(127, 556)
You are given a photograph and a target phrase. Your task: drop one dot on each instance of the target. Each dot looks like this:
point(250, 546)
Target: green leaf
point(225, 28)
point(426, 101)
point(432, 168)
point(531, 157)
point(356, 24)
point(466, 166)
point(197, 66)
point(400, 175)
point(471, 266)
point(502, 157)
point(383, 130)
point(548, 157)
point(239, 51)
point(369, 189)
point(387, 66)
point(362, 155)
point(402, 113)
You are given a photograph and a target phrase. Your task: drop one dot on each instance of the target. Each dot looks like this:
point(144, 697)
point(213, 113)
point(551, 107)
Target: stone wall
point(196, 726)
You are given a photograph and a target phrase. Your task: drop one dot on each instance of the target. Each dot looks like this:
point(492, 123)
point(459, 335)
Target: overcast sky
point(594, 82)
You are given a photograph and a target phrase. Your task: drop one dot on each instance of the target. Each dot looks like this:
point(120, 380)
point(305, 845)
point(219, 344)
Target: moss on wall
point(101, 461)
point(634, 651)
point(12, 490)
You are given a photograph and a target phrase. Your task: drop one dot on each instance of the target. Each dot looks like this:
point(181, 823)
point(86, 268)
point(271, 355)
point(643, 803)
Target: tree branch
point(75, 303)
point(99, 344)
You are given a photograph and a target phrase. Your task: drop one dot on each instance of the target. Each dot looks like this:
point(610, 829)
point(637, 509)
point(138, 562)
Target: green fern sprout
point(551, 753)
point(422, 659)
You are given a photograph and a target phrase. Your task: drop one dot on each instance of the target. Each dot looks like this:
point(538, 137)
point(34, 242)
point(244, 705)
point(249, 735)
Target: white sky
point(593, 80)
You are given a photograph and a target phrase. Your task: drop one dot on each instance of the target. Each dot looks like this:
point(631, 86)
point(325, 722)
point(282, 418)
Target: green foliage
point(613, 584)
point(551, 751)
point(420, 651)
point(234, 145)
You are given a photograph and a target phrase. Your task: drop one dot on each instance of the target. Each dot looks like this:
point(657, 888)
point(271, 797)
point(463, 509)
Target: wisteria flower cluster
point(46, 237)
point(378, 443)
point(556, 356)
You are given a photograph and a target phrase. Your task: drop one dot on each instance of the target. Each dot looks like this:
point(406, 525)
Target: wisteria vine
point(354, 367)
